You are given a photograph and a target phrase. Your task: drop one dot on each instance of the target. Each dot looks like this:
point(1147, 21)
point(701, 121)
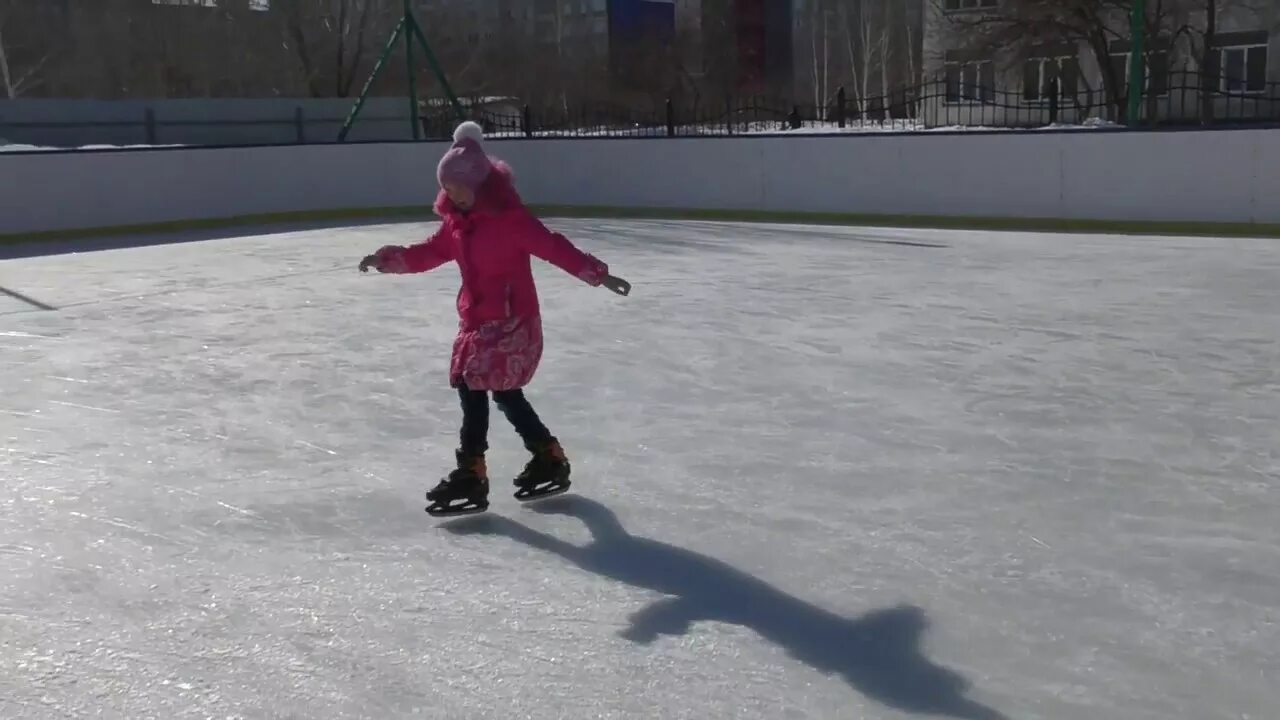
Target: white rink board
point(1224, 176)
point(819, 473)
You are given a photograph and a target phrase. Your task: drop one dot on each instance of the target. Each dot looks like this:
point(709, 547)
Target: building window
point(1039, 73)
point(970, 81)
point(969, 4)
point(1244, 68)
point(1156, 68)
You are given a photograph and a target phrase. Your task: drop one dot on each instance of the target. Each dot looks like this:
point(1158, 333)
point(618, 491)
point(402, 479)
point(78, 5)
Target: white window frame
point(1146, 72)
point(1042, 80)
point(971, 93)
point(1247, 49)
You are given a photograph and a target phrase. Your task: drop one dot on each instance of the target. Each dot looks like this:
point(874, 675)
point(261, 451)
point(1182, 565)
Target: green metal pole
point(413, 75)
point(368, 84)
point(1137, 78)
point(435, 67)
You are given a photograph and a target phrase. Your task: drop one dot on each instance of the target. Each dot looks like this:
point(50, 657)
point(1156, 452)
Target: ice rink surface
point(819, 473)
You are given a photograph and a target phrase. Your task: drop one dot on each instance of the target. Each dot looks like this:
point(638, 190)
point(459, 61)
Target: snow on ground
point(820, 473)
point(22, 147)
point(753, 128)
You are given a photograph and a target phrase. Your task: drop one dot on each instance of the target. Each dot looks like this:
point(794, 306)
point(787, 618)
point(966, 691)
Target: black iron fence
point(1178, 98)
point(1170, 99)
point(957, 102)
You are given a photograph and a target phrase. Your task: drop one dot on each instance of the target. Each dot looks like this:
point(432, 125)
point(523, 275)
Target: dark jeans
point(513, 404)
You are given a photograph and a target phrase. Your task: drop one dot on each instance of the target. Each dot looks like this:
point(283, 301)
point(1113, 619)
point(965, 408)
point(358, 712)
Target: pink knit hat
point(466, 162)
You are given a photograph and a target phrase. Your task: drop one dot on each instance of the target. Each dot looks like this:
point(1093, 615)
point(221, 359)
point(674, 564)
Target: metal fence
point(56, 123)
point(1178, 98)
point(1175, 99)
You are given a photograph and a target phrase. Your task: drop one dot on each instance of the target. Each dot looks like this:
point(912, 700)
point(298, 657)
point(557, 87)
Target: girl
point(489, 233)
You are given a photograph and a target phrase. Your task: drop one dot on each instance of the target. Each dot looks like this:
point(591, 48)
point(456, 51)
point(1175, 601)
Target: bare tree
point(1015, 28)
point(180, 48)
point(868, 47)
point(1202, 32)
point(26, 46)
point(332, 40)
point(867, 37)
point(905, 24)
point(910, 28)
point(819, 31)
point(720, 62)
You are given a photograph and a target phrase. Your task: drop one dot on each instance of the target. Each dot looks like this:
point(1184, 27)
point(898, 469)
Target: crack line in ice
point(229, 506)
point(181, 490)
point(84, 407)
point(134, 528)
point(17, 333)
point(175, 291)
point(240, 510)
point(315, 447)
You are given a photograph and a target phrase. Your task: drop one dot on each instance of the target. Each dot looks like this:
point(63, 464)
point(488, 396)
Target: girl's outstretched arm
point(556, 249)
point(427, 255)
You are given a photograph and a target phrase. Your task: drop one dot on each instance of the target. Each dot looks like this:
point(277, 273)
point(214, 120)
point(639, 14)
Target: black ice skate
point(464, 492)
point(546, 474)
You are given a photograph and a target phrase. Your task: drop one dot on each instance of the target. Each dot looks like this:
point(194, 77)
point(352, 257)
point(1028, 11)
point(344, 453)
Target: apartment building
point(973, 80)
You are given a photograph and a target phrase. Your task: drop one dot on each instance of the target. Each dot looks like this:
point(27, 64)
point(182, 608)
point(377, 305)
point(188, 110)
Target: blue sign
point(637, 19)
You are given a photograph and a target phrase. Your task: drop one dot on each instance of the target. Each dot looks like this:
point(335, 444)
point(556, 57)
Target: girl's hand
point(389, 259)
point(617, 284)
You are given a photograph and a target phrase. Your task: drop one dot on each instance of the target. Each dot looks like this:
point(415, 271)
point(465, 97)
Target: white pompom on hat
point(466, 162)
point(469, 130)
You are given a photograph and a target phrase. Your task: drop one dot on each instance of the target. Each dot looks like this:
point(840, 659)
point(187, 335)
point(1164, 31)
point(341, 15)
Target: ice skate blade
point(528, 495)
point(442, 511)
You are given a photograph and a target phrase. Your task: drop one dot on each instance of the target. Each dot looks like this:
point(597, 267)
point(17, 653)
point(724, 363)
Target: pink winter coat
point(499, 342)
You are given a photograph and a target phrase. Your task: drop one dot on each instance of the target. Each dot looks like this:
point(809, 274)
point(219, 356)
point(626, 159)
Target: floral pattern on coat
point(498, 355)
